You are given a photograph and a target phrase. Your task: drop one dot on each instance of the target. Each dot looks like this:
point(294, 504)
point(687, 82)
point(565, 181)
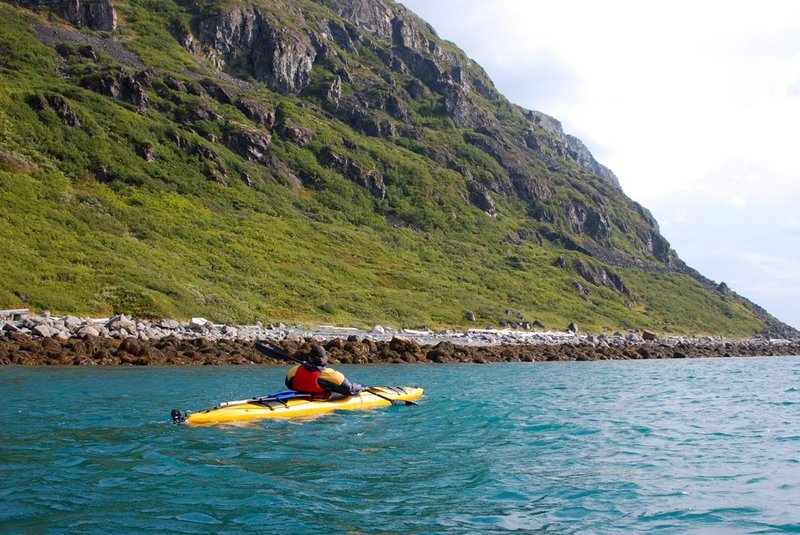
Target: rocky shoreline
point(49, 340)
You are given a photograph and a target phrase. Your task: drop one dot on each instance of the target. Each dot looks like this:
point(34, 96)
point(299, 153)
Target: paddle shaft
point(277, 353)
point(259, 399)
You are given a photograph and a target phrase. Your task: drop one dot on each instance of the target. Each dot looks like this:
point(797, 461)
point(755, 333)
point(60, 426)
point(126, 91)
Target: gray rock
point(97, 15)
point(231, 331)
point(43, 330)
point(122, 86)
point(169, 324)
point(196, 323)
point(250, 144)
point(73, 323)
point(258, 112)
point(247, 37)
point(88, 330)
point(10, 328)
point(121, 322)
point(572, 328)
point(481, 197)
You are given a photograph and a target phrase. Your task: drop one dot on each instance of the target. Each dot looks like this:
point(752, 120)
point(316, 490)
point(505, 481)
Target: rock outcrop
point(121, 85)
point(371, 179)
point(260, 42)
point(97, 15)
point(59, 105)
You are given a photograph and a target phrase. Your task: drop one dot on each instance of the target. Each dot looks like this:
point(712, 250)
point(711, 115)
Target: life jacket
point(305, 381)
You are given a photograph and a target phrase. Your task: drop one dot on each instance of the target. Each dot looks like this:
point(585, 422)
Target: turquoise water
point(698, 446)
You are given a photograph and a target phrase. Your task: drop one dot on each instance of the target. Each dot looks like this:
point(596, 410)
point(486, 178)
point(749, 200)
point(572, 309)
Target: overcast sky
point(695, 106)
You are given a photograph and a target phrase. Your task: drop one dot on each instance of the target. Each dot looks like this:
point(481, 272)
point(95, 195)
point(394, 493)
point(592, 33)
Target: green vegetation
point(89, 226)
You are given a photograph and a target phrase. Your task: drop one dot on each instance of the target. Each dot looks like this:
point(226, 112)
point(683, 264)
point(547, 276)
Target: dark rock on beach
point(126, 341)
point(21, 349)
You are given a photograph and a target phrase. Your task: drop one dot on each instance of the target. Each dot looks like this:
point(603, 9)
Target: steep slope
point(328, 161)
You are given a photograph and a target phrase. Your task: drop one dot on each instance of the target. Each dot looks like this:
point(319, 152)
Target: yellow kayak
point(284, 405)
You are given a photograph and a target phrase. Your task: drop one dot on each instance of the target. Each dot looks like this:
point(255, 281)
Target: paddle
point(279, 354)
point(280, 396)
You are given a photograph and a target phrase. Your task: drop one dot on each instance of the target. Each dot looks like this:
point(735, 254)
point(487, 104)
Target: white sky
point(695, 106)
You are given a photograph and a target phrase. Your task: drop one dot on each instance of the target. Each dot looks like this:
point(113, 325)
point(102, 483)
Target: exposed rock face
point(600, 276)
point(214, 169)
point(122, 86)
point(59, 106)
point(482, 198)
point(258, 112)
point(252, 145)
point(97, 15)
point(245, 38)
point(577, 152)
point(371, 179)
point(565, 145)
point(588, 220)
point(294, 132)
point(217, 91)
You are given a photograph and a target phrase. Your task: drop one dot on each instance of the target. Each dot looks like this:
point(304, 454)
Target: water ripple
point(608, 447)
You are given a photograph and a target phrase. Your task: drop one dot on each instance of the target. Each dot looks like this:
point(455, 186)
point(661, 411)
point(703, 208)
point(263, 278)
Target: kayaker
point(314, 377)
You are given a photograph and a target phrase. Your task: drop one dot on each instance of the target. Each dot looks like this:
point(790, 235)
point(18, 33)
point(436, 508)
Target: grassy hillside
point(89, 226)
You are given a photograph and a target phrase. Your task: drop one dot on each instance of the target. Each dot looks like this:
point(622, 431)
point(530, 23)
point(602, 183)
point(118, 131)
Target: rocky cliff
point(303, 95)
point(97, 15)
point(280, 44)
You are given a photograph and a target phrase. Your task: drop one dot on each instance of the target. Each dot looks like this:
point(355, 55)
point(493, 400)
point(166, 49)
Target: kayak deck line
point(297, 407)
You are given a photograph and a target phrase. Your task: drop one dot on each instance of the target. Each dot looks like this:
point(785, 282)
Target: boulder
point(572, 328)
point(198, 323)
point(649, 336)
point(169, 324)
point(121, 322)
point(87, 330)
point(371, 179)
point(216, 91)
point(10, 328)
point(72, 323)
point(43, 330)
point(60, 106)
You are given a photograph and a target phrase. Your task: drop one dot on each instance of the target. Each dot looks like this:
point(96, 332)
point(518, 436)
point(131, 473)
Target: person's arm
point(290, 377)
point(336, 382)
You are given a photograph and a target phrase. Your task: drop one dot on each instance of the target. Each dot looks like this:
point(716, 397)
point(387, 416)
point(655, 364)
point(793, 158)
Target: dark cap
point(318, 356)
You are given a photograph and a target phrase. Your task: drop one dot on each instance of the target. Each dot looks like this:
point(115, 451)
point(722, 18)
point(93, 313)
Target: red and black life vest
point(305, 381)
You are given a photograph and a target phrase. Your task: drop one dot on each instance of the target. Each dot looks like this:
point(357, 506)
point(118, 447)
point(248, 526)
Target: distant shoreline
point(123, 341)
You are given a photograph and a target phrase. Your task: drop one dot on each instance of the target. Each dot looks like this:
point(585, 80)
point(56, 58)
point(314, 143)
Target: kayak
point(293, 405)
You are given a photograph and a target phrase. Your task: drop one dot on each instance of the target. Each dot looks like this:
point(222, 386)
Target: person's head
point(318, 356)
